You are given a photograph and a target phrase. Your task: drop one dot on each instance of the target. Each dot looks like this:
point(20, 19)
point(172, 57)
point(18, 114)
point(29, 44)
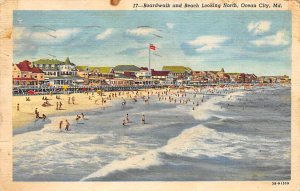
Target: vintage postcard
point(149, 95)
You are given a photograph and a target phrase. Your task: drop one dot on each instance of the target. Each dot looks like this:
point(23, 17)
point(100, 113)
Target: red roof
point(24, 79)
point(25, 66)
point(159, 73)
point(36, 70)
point(129, 74)
point(144, 68)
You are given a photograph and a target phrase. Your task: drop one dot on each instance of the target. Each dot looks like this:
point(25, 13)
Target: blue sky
point(239, 41)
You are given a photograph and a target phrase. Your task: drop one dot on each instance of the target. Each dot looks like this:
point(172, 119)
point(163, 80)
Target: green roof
point(102, 69)
point(52, 61)
point(81, 68)
point(47, 61)
point(176, 69)
point(126, 68)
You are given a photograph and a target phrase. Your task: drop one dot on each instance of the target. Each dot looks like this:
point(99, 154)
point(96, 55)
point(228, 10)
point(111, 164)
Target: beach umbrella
point(65, 87)
point(31, 92)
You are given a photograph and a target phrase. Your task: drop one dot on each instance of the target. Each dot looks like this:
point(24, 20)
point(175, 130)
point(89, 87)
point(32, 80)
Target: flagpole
point(149, 70)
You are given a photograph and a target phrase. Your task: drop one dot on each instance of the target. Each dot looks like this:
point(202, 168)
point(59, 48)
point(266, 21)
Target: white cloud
point(278, 39)
point(143, 31)
point(259, 27)
point(21, 33)
point(24, 34)
point(55, 36)
point(170, 25)
point(104, 34)
point(207, 43)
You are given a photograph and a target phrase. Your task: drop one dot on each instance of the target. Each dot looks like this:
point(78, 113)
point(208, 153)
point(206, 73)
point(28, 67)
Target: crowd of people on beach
point(192, 97)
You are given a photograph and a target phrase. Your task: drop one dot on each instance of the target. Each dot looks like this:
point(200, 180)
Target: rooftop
point(53, 61)
point(100, 69)
point(47, 61)
point(123, 68)
point(26, 66)
point(81, 68)
point(176, 69)
point(159, 73)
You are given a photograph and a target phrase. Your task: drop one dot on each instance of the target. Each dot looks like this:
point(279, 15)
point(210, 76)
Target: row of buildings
point(52, 72)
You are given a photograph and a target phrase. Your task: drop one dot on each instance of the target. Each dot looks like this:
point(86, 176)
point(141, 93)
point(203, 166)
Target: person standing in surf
point(60, 124)
point(67, 125)
point(143, 119)
point(127, 118)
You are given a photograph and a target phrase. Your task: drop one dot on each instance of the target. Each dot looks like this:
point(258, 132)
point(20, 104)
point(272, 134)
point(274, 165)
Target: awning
point(31, 92)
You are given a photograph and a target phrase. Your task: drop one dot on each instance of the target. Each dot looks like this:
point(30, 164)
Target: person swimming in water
point(77, 118)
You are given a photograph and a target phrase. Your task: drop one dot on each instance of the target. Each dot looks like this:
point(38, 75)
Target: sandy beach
point(83, 101)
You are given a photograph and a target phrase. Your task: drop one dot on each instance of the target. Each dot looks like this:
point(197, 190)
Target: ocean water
point(241, 136)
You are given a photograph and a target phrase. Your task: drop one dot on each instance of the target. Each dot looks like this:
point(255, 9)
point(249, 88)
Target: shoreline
point(83, 102)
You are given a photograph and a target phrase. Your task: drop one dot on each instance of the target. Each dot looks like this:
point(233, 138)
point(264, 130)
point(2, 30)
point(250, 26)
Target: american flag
point(152, 47)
